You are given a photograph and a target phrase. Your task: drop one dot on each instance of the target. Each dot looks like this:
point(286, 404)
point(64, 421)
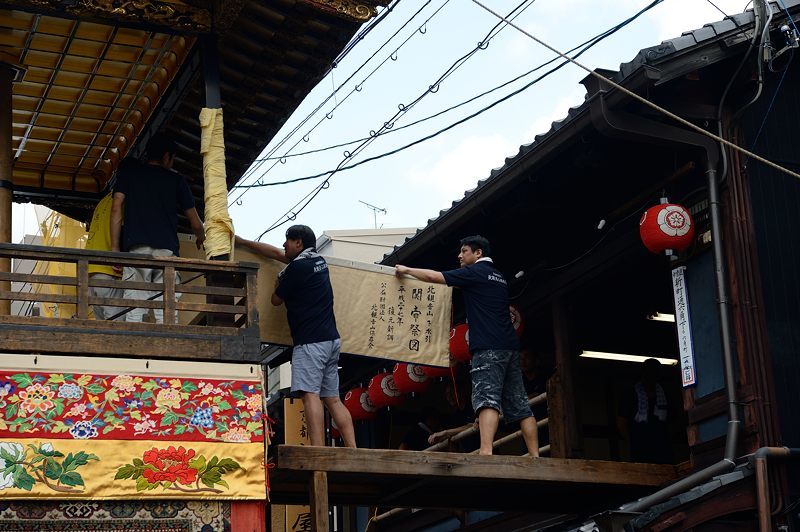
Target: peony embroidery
point(36, 397)
point(178, 469)
point(168, 398)
point(83, 430)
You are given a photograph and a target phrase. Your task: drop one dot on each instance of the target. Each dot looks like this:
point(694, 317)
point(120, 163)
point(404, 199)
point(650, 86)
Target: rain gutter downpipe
point(760, 458)
point(627, 126)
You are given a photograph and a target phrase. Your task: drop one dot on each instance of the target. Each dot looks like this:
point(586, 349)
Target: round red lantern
point(434, 372)
point(359, 405)
point(666, 226)
point(383, 391)
point(459, 342)
point(516, 320)
point(410, 378)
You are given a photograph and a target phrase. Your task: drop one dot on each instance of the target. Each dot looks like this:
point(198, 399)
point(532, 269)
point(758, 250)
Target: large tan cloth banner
point(377, 314)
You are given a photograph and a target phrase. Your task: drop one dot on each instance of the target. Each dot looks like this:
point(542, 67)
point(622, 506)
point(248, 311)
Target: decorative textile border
point(130, 516)
point(127, 407)
point(63, 469)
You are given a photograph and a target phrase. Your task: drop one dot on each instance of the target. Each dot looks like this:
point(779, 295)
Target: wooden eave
point(95, 90)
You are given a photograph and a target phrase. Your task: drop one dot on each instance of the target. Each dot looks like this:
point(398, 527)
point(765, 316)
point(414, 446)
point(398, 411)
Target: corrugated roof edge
point(653, 55)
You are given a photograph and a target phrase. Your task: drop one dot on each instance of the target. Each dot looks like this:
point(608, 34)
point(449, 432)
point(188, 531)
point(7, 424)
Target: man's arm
point(266, 250)
point(197, 226)
point(429, 276)
point(276, 300)
point(117, 204)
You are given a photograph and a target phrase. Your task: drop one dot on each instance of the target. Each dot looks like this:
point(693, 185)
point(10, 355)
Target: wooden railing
point(210, 302)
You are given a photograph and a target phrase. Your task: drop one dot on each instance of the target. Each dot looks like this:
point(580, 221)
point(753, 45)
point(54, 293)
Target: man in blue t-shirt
point(305, 287)
point(497, 385)
point(146, 201)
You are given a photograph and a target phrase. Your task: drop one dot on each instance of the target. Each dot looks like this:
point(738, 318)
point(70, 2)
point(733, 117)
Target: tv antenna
point(375, 211)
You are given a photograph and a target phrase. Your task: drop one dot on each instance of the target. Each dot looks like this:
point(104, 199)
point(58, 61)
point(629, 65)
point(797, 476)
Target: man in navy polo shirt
point(305, 287)
point(497, 385)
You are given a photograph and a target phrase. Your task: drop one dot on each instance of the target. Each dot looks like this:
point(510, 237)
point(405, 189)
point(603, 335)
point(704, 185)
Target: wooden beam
point(420, 464)
point(318, 496)
point(564, 433)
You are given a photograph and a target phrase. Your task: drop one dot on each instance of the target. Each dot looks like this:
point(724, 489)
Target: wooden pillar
point(561, 399)
point(6, 160)
point(318, 495)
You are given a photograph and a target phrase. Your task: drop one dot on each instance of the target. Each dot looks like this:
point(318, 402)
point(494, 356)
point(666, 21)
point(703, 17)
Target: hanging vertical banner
point(298, 518)
point(683, 323)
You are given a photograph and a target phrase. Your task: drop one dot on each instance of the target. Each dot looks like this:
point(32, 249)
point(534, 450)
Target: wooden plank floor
point(453, 480)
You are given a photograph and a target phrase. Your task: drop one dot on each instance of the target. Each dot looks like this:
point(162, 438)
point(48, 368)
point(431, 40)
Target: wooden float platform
point(411, 479)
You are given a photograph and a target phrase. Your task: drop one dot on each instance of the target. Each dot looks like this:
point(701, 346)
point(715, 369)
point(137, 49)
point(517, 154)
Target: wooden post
point(6, 186)
point(318, 495)
point(83, 289)
point(563, 416)
point(169, 295)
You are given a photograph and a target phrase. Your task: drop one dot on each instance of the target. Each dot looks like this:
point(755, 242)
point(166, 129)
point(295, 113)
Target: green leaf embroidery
point(71, 479)
point(52, 469)
point(95, 389)
point(23, 379)
point(188, 386)
point(125, 471)
point(23, 480)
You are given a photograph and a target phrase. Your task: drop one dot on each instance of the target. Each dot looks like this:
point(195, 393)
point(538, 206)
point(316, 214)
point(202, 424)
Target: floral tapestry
point(122, 407)
point(126, 436)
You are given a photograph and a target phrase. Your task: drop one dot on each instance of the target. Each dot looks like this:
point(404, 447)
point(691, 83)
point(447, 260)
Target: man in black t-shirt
point(496, 377)
point(305, 287)
point(147, 198)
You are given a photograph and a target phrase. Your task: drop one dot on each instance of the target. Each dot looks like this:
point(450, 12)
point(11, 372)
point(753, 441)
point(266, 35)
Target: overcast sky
point(415, 184)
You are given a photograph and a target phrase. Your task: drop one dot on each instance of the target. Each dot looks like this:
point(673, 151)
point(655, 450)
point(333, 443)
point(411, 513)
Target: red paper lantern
point(410, 378)
point(434, 372)
point(516, 320)
point(383, 391)
point(666, 226)
point(359, 405)
point(459, 342)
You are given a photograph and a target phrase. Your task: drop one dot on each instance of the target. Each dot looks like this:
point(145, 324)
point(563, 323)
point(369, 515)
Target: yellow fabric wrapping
point(45, 468)
point(218, 223)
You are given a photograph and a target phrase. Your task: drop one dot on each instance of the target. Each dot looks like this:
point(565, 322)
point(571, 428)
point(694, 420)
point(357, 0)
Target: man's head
point(651, 368)
point(472, 249)
point(161, 150)
point(298, 238)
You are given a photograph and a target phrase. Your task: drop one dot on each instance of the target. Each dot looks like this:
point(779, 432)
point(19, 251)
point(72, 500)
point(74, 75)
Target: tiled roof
point(653, 56)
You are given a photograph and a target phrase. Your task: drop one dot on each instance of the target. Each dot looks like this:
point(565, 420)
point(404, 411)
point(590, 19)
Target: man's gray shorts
point(497, 384)
point(315, 368)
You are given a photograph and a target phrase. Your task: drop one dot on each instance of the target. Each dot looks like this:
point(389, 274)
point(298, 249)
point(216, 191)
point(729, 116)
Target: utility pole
point(375, 211)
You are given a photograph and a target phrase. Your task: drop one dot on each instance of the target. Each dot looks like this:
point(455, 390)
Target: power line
point(291, 214)
point(645, 101)
point(250, 172)
point(586, 46)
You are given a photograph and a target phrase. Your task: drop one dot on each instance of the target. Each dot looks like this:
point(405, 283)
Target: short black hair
point(159, 144)
point(304, 233)
point(477, 242)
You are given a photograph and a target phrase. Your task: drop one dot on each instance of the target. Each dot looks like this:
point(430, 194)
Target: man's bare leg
point(343, 420)
point(530, 433)
point(314, 418)
point(488, 420)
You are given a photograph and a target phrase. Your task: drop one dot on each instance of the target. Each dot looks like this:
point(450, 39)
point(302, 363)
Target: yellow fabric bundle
point(218, 223)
